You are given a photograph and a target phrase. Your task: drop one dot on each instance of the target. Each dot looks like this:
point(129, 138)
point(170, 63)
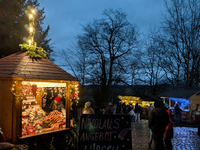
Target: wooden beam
point(67, 105)
point(17, 111)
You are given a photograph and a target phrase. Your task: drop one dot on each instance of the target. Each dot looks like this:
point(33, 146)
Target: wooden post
point(67, 105)
point(17, 111)
point(39, 97)
point(170, 102)
point(163, 100)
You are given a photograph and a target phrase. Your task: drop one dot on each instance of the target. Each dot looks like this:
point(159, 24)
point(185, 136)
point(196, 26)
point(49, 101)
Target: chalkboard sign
point(105, 132)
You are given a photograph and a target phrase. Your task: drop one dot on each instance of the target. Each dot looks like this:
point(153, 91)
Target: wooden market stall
point(24, 84)
point(194, 108)
point(188, 100)
point(143, 102)
point(129, 99)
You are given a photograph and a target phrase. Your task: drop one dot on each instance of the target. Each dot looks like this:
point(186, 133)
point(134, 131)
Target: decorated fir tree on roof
point(31, 49)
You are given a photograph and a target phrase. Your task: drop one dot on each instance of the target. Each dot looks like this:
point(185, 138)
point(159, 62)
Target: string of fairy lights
point(53, 90)
point(13, 87)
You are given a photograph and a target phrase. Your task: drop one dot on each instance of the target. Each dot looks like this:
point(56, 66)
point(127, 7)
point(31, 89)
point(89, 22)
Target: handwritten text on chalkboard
point(105, 132)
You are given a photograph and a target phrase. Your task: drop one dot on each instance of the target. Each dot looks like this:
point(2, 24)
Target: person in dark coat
point(124, 108)
point(177, 114)
point(137, 112)
point(118, 109)
point(158, 120)
point(111, 108)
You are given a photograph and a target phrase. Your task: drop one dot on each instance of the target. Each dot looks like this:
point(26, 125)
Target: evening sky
point(66, 16)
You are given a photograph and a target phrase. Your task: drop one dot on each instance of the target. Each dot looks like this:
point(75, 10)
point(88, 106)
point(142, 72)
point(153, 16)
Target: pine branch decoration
point(34, 51)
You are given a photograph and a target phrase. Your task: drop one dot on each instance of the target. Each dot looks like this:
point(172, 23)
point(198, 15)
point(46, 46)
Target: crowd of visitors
point(159, 116)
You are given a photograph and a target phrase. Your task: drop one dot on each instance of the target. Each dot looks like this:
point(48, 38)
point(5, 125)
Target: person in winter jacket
point(158, 121)
point(87, 108)
point(168, 134)
point(57, 104)
point(131, 113)
point(137, 112)
point(150, 108)
point(118, 109)
point(177, 114)
point(111, 108)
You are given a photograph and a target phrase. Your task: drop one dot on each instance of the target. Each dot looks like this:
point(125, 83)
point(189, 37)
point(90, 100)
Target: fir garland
point(34, 51)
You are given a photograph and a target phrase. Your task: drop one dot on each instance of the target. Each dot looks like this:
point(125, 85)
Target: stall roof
point(150, 98)
point(180, 93)
point(20, 65)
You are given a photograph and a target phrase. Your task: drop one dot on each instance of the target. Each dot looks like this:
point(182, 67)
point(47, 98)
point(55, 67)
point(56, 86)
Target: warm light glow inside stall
point(133, 100)
point(129, 100)
point(44, 106)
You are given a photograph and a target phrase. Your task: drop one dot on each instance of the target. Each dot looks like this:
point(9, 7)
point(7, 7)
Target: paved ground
point(185, 138)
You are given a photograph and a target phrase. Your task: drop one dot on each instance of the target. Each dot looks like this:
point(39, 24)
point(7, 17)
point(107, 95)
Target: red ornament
point(73, 95)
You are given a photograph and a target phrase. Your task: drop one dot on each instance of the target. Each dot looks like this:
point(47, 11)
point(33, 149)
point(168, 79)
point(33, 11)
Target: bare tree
point(180, 42)
point(108, 42)
point(75, 60)
point(149, 73)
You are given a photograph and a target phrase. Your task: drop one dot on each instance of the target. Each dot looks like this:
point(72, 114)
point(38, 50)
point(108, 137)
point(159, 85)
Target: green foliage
point(65, 140)
point(34, 51)
point(71, 90)
point(72, 139)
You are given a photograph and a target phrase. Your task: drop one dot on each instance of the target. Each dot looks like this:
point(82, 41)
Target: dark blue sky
point(65, 16)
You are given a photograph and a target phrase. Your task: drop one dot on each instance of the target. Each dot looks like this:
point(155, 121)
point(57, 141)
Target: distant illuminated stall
point(130, 100)
point(133, 100)
point(183, 103)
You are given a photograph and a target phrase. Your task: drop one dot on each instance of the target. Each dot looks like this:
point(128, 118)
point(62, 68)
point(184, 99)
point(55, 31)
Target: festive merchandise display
point(34, 119)
point(37, 114)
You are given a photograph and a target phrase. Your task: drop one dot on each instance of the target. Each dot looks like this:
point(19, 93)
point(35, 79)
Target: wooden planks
point(6, 99)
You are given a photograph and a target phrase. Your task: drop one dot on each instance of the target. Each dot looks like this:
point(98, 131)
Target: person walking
point(131, 113)
point(111, 108)
point(177, 114)
point(87, 108)
point(137, 112)
point(158, 121)
point(150, 108)
point(118, 109)
point(168, 134)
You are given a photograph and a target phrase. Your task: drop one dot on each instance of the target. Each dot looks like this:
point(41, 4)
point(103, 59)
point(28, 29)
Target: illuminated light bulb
point(13, 89)
point(33, 11)
point(31, 29)
point(31, 15)
point(29, 42)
